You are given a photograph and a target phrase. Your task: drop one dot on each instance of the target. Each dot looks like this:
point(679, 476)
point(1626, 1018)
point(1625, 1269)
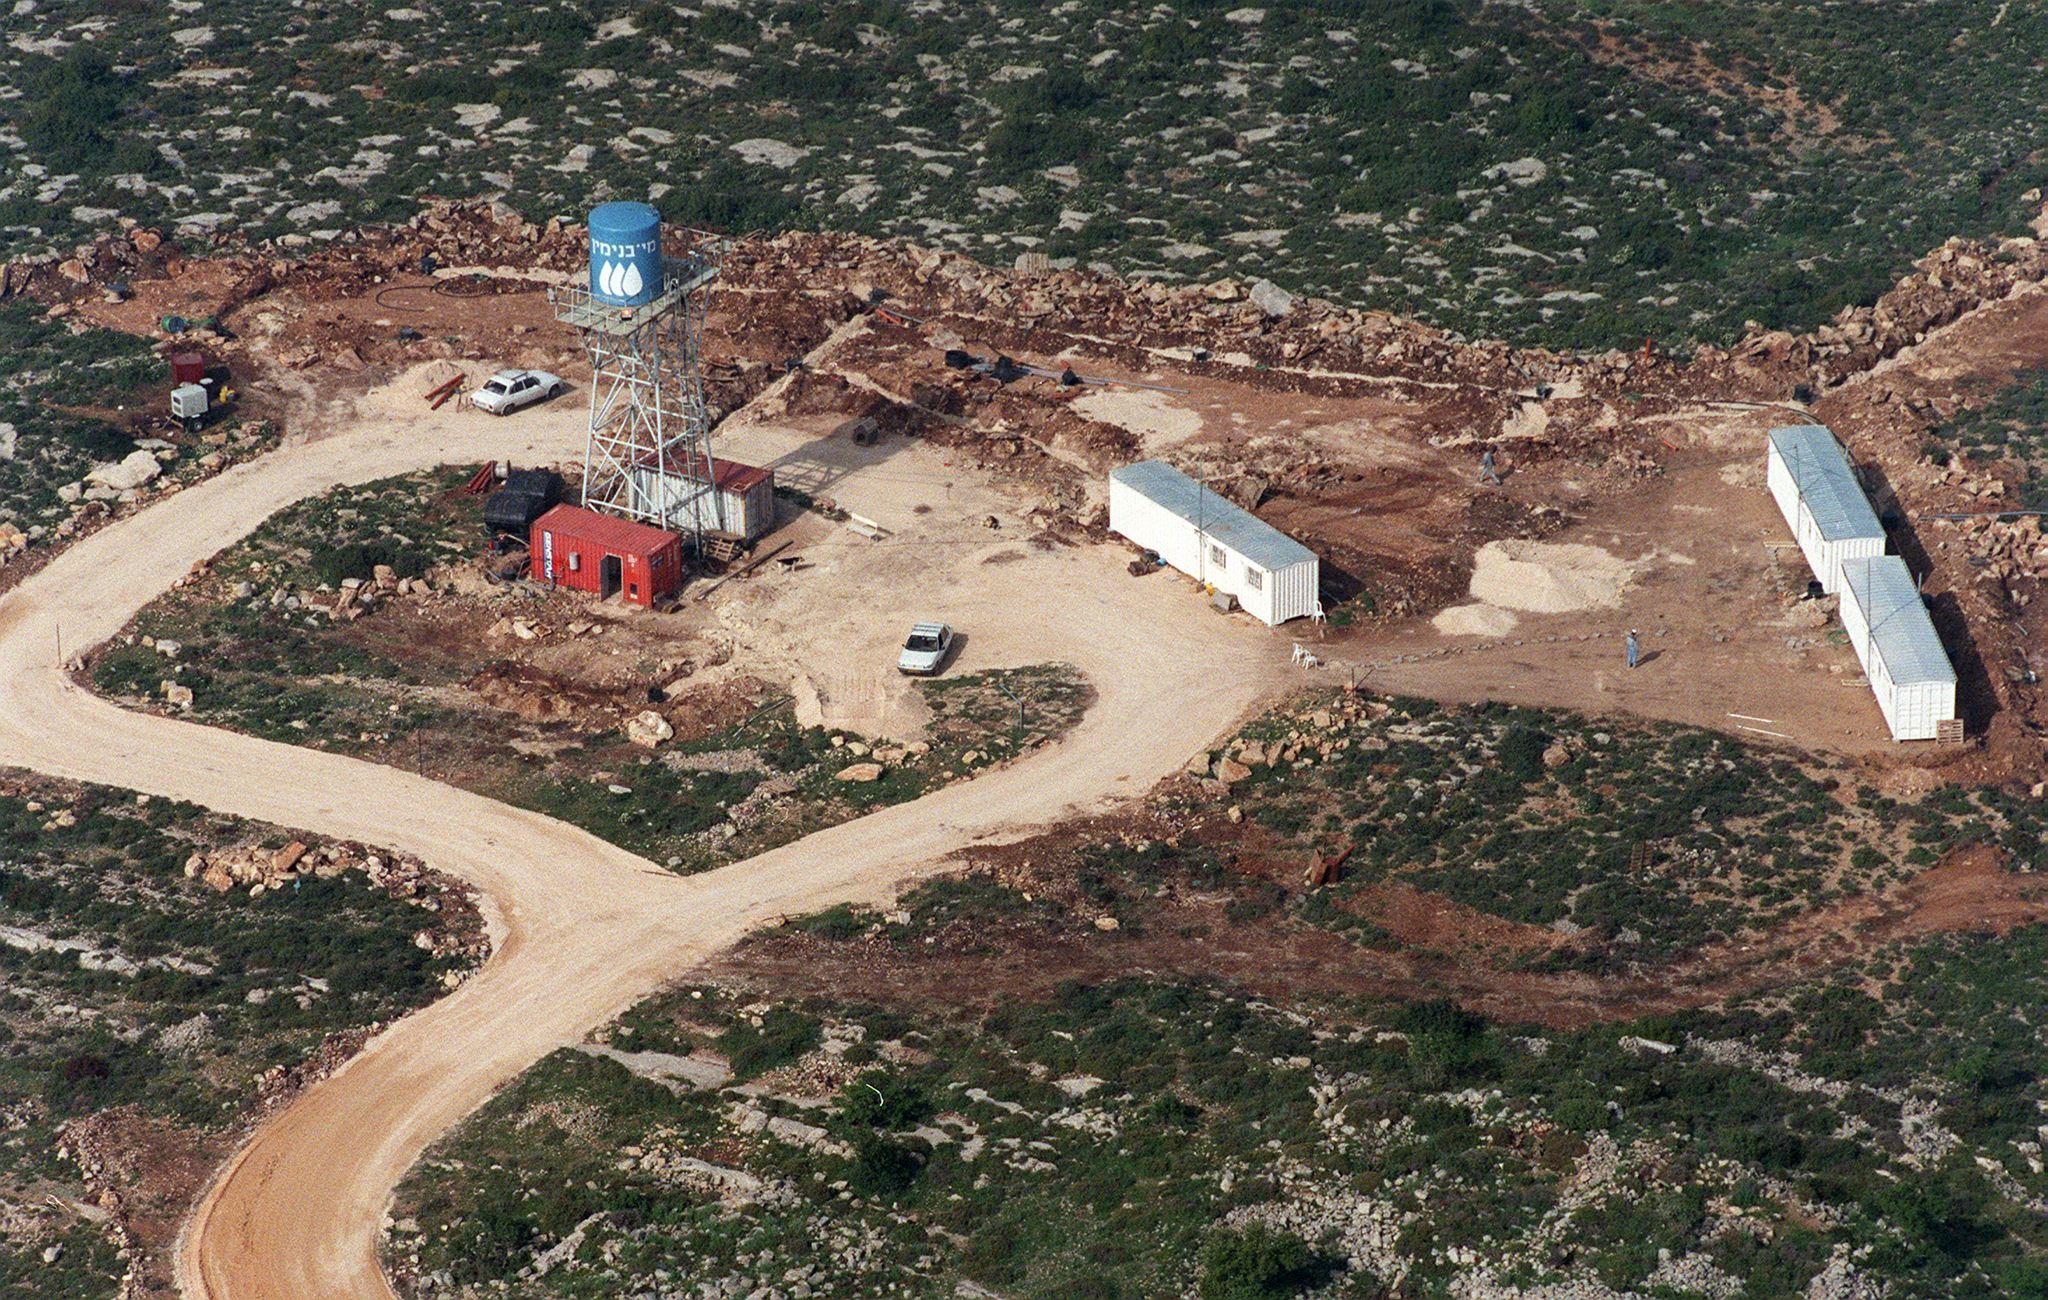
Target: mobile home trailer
point(1902, 655)
point(1272, 576)
point(1816, 488)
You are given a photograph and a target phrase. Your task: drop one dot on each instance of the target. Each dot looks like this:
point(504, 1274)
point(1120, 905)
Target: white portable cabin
point(739, 503)
point(1902, 654)
point(1273, 577)
point(1816, 489)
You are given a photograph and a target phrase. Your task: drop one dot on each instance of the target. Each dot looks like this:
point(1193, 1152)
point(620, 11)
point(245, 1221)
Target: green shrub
point(782, 1036)
point(332, 564)
point(1254, 1263)
point(882, 1168)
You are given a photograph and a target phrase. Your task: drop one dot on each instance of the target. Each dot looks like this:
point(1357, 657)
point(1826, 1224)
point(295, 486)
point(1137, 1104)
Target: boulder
point(132, 471)
point(1270, 298)
point(176, 695)
point(1230, 771)
point(8, 438)
point(649, 729)
point(861, 773)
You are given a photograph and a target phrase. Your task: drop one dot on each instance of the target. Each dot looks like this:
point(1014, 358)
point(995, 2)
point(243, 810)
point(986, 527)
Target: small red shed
point(586, 551)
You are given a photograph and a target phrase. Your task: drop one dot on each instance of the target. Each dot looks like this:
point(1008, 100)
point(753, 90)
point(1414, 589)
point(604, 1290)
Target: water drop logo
point(631, 283)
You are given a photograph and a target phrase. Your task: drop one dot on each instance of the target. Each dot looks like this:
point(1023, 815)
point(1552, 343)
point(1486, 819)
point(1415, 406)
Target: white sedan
point(926, 649)
point(508, 390)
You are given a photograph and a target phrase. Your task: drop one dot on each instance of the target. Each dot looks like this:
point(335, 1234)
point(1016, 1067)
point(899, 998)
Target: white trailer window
point(1254, 579)
point(1218, 556)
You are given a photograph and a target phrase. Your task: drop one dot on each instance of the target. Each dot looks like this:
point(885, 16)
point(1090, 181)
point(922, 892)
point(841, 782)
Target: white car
point(508, 390)
point(925, 650)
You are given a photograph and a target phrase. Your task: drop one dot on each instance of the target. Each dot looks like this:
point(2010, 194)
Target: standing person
point(1487, 471)
point(1635, 648)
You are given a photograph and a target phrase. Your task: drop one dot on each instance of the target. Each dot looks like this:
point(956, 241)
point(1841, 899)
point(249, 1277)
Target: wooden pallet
point(724, 549)
point(1949, 731)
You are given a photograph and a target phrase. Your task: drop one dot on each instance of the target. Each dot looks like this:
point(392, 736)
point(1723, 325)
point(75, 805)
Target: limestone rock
point(1270, 298)
point(649, 729)
point(132, 471)
point(861, 773)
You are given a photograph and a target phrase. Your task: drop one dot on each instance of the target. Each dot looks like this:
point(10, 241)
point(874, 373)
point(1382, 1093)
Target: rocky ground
point(171, 977)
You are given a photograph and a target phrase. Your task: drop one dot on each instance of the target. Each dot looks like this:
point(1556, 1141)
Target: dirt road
point(583, 929)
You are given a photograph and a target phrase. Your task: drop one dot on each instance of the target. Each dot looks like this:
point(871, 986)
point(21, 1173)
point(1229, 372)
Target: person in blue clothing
point(1635, 648)
point(1488, 471)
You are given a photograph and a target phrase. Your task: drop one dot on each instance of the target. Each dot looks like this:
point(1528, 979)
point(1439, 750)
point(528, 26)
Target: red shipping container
point(586, 551)
point(188, 367)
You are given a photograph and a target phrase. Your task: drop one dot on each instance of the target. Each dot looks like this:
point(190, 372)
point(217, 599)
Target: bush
point(782, 1036)
point(836, 924)
point(332, 564)
point(884, 1101)
point(1521, 752)
point(881, 1168)
point(1254, 1263)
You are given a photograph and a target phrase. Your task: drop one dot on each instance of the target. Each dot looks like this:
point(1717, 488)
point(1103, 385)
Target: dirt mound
point(1475, 620)
point(1549, 577)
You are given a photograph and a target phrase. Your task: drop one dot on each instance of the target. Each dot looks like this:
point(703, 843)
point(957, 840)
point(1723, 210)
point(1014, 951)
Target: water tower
point(641, 318)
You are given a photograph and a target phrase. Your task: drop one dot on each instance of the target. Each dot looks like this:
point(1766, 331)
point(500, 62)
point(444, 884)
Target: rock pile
point(457, 929)
point(2011, 554)
point(1307, 738)
point(261, 869)
point(123, 255)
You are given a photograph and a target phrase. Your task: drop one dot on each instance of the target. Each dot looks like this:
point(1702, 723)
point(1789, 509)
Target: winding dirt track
point(584, 929)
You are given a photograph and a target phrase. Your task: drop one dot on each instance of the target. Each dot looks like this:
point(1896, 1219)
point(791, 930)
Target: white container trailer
point(739, 503)
point(1221, 545)
point(1902, 655)
point(1817, 490)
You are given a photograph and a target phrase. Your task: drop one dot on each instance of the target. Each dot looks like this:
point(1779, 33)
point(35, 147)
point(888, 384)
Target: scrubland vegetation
point(1585, 172)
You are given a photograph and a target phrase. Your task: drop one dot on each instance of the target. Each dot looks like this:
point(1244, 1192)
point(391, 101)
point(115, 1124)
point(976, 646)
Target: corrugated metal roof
point(1235, 527)
point(614, 534)
point(1827, 482)
point(1900, 630)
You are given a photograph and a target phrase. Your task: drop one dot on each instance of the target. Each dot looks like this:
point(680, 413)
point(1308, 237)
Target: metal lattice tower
point(648, 455)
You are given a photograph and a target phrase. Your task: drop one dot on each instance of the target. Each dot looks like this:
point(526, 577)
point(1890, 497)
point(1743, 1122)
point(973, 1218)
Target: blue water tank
point(625, 254)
